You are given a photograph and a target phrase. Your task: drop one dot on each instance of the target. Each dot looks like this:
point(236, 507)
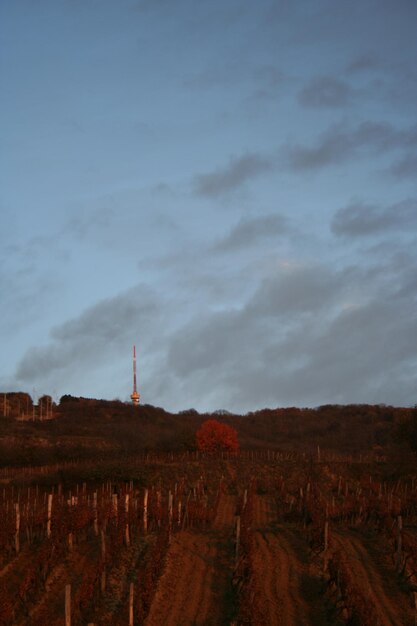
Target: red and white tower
point(135, 395)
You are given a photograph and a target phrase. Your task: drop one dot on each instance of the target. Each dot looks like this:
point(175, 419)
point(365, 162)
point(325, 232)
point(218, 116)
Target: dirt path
point(263, 512)
point(193, 588)
point(51, 602)
point(290, 586)
point(374, 577)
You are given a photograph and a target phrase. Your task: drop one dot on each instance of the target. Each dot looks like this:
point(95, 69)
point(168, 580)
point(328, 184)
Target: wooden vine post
point(145, 511)
point(103, 558)
point(115, 505)
point(95, 513)
point(415, 608)
point(326, 535)
point(127, 536)
point(67, 605)
point(131, 604)
point(326, 544)
point(399, 542)
point(170, 511)
point(237, 539)
point(16, 537)
point(158, 507)
point(49, 518)
point(179, 514)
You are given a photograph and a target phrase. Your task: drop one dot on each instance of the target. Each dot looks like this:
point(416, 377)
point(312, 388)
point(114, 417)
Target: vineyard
point(259, 538)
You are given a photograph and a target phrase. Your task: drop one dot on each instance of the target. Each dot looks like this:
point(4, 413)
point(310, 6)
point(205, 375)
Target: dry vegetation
point(286, 533)
point(84, 428)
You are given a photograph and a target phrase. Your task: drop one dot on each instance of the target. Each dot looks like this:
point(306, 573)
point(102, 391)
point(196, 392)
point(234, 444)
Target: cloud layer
point(307, 335)
point(238, 171)
point(229, 186)
point(326, 91)
point(358, 220)
point(251, 231)
point(340, 143)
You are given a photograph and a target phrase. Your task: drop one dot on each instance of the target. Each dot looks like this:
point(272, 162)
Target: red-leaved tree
point(214, 437)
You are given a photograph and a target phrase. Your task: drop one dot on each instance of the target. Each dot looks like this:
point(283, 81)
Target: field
point(262, 538)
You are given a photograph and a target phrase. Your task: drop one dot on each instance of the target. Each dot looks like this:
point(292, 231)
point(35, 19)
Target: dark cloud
point(331, 148)
point(270, 82)
point(307, 337)
point(296, 291)
point(238, 171)
point(357, 356)
point(363, 63)
point(222, 339)
point(405, 167)
point(357, 220)
point(82, 344)
point(84, 224)
point(327, 92)
point(250, 231)
point(213, 338)
point(339, 144)
point(28, 269)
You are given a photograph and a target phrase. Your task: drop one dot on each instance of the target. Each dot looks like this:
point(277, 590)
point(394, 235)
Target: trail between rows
point(374, 577)
point(193, 588)
point(289, 585)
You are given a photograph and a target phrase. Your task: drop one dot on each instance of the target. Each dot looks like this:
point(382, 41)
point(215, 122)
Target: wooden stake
point(399, 542)
point(145, 511)
point(16, 537)
point(114, 504)
point(48, 526)
point(131, 605)
point(127, 536)
point(103, 545)
point(67, 605)
point(415, 606)
point(95, 513)
point(179, 513)
point(158, 507)
point(326, 545)
point(237, 538)
point(170, 500)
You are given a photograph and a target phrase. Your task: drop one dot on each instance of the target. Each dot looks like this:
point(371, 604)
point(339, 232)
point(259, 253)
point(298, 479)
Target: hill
point(90, 428)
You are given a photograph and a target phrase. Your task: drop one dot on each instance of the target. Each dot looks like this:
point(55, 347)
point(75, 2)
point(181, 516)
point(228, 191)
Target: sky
point(231, 186)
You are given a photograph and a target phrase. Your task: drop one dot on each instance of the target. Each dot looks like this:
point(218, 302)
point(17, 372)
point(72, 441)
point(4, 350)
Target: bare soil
point(193, 590)
point(374, 575)
point(292, 590)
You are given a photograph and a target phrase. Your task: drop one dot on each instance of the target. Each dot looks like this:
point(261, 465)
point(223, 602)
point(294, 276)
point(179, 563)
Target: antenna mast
point(135, 396)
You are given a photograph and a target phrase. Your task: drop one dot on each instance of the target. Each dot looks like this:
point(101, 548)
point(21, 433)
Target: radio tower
point(135, 396)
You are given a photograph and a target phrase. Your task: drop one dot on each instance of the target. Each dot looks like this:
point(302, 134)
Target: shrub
point(213, 436)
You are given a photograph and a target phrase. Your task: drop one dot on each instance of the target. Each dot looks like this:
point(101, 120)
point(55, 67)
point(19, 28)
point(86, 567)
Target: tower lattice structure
point(135, 395)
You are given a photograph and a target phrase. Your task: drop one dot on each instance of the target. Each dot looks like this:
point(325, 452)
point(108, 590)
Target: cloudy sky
point(229, 185)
